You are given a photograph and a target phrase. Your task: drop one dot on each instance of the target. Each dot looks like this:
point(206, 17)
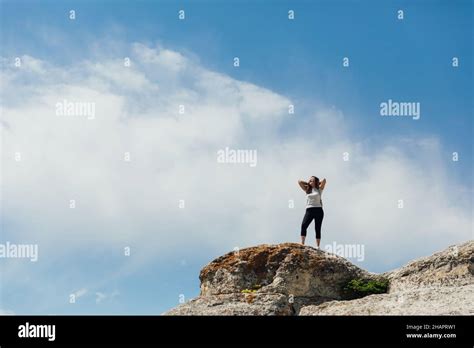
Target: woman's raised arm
point(303, 185)
point(322, 184)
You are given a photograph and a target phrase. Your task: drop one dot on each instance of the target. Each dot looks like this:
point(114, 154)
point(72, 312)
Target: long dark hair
point(309, 188)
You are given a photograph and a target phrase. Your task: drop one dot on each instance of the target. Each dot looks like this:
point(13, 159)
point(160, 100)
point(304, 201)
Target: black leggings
point(317, 214)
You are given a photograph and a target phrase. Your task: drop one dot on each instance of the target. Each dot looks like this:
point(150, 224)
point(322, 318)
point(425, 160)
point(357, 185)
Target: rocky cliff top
point(453, 266)
point(291, 279)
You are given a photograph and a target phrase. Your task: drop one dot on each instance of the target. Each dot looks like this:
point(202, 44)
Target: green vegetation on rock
point(364, 287)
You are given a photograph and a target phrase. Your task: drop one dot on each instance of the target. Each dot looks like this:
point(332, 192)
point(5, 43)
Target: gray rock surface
point(440, 284)
point(418, 301)
point(291, 279)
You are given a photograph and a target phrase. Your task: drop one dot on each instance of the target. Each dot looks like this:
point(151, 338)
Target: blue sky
point(297, 58)
point(404, 60)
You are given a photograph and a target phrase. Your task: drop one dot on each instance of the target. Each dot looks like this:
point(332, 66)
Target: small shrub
point(364, 287)
point(253, 289)
point(248, 291)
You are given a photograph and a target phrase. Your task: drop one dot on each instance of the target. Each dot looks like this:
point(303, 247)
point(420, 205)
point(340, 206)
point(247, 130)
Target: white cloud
point(100, 296)
point(163, 59)
point(79, 293)
point(6, 312)
point(32, 65)
point(173, 157)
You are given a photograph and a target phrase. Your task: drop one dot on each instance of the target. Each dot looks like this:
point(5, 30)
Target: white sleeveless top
point(313, 199)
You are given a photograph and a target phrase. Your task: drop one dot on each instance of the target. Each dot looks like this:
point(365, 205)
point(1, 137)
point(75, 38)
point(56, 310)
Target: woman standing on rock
point(314, 206)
